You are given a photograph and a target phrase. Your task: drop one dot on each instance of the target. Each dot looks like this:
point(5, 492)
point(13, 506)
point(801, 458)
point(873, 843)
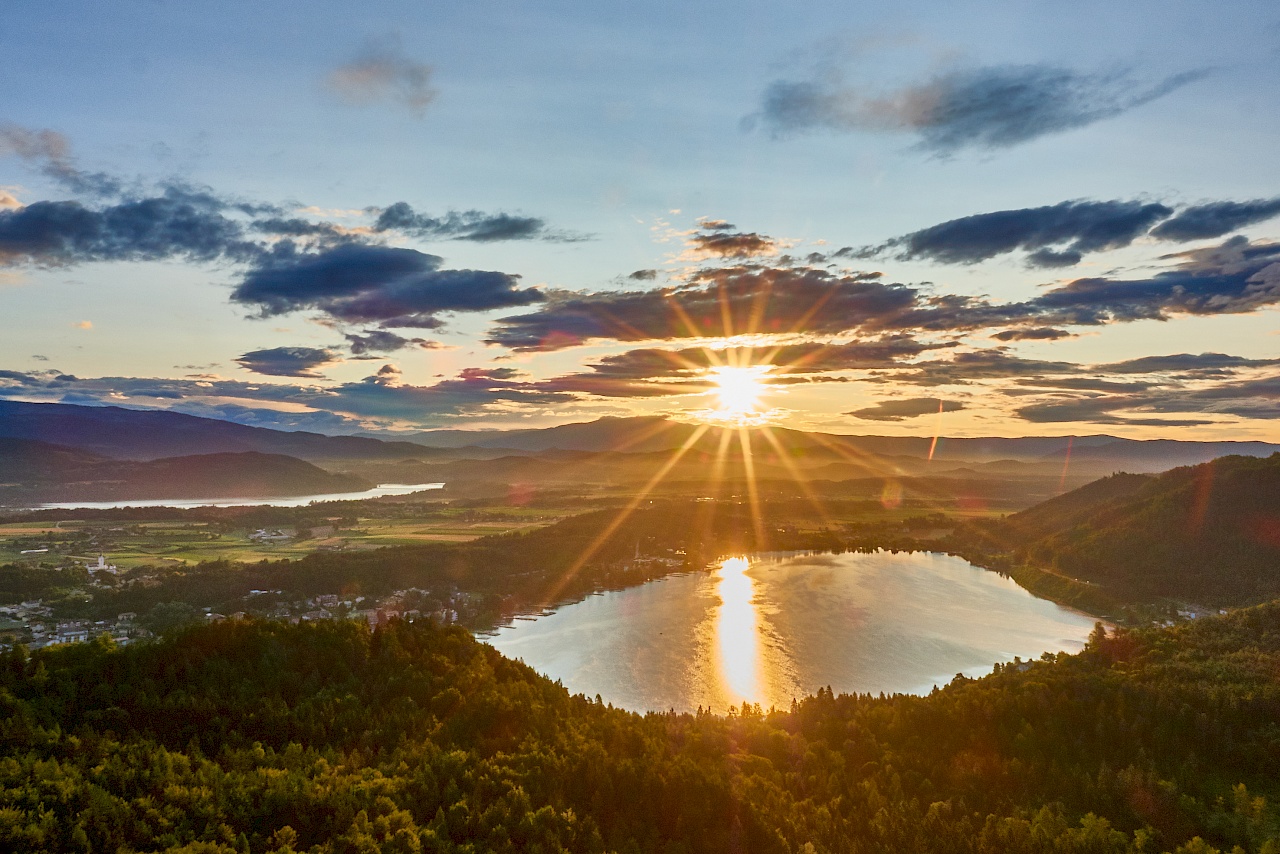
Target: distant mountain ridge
point(39, 472)
point(652, 433)
point(148, 434)
point(152, 434)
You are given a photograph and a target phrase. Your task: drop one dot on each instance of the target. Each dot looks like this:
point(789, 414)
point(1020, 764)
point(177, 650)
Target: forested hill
point(247, 736)
point(34, 472)
point(1209, 533)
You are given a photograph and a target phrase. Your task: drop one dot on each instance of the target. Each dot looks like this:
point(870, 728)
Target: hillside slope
point(1209, 533)
point(38, 472)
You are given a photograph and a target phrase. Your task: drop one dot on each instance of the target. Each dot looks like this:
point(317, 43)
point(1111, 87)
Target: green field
point(135, 543)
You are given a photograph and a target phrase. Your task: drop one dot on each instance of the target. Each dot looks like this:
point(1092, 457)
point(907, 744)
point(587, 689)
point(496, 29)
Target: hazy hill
point(136, 434)
point(1094, 454)
point(23, 461)
point(37, 472)
point(1209, 533)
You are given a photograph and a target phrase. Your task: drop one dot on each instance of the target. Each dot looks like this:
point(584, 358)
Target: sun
point(738, 392)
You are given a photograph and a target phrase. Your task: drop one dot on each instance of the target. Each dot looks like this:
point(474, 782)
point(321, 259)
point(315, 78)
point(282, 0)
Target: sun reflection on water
point(738, 632)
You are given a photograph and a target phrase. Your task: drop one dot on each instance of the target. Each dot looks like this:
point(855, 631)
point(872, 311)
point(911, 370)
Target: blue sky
point(605, 135)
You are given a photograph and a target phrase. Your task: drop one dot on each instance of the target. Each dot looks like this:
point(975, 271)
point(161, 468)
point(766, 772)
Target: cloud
point(1077, 384)
point(382, 341)
point(1184, 363)
point(465, 225)
point(1074, 227)
point(382, 73)
point(1257, 398)
point(382, 395)
point(974, 365)
point(1233, 278)
point(719, 239)
point(984, 108)
point(51, 152)
point(898, 410)
point(714, 303)
point(1214, 219)
point(1098, 410)
point(83, 324)
point(643, 275)
point(178, 223)
point(358, 283)
point(9, 200)
point(1037, 333)
point(288, 361)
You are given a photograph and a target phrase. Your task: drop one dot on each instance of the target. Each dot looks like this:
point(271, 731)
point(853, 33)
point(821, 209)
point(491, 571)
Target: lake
point(293, 501)
point(769, 628)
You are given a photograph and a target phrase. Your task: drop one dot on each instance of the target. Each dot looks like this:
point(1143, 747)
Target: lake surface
point(768, 628)
point(293, 501)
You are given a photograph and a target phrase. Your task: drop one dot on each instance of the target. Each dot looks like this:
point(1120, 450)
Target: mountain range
point(34, 472)
point(75, 443)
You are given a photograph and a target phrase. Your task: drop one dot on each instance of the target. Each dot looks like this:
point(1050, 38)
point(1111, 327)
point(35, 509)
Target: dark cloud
point(1079, 384)
point(383, 73)
point(1036, 333)
point(1214, 219)
point(985, 108)
point(465, 225)
point(1233, 278)
point(178, 224)
point(296, 227)
point(1076, 227)
point(1098, 410)
point(1183, 362)
point(287, 361)
point(50, 151)
point(382, 395)
point(731, 244)
point(359, 283)
point(972, 366)
point(383, 341)
point(897, 410)
point(1257, 398)
point(714, 303)
point(644, 275)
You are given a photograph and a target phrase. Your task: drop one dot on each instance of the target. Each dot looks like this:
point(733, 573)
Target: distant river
point(294, 501)
point(766, 629)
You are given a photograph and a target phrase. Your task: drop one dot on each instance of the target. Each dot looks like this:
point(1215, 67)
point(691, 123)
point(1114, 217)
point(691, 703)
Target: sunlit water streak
point(294, 501)
point(770, 628)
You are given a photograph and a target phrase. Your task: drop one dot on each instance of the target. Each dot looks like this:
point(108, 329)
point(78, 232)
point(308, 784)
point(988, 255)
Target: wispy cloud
point(989, 107)
point(382, 73)
point(51, 153)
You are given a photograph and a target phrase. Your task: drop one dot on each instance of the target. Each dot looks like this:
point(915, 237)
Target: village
point(33, 623)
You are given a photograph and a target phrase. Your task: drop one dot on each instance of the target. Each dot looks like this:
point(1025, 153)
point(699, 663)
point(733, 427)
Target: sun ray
point(801, 482)
point(753, 489)
point(626, 512)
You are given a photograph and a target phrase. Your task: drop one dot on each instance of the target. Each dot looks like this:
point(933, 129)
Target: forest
point(327, 737)
point(1208, 533)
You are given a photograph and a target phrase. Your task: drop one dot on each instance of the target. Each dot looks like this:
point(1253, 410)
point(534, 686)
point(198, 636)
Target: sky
point(979, 218)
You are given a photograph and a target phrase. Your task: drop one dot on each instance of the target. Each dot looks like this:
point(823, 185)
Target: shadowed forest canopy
point(1210, 532)
point(247, 736)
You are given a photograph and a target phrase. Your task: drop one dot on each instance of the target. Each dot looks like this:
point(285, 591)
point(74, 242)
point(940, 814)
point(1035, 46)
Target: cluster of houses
point(33, 622)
